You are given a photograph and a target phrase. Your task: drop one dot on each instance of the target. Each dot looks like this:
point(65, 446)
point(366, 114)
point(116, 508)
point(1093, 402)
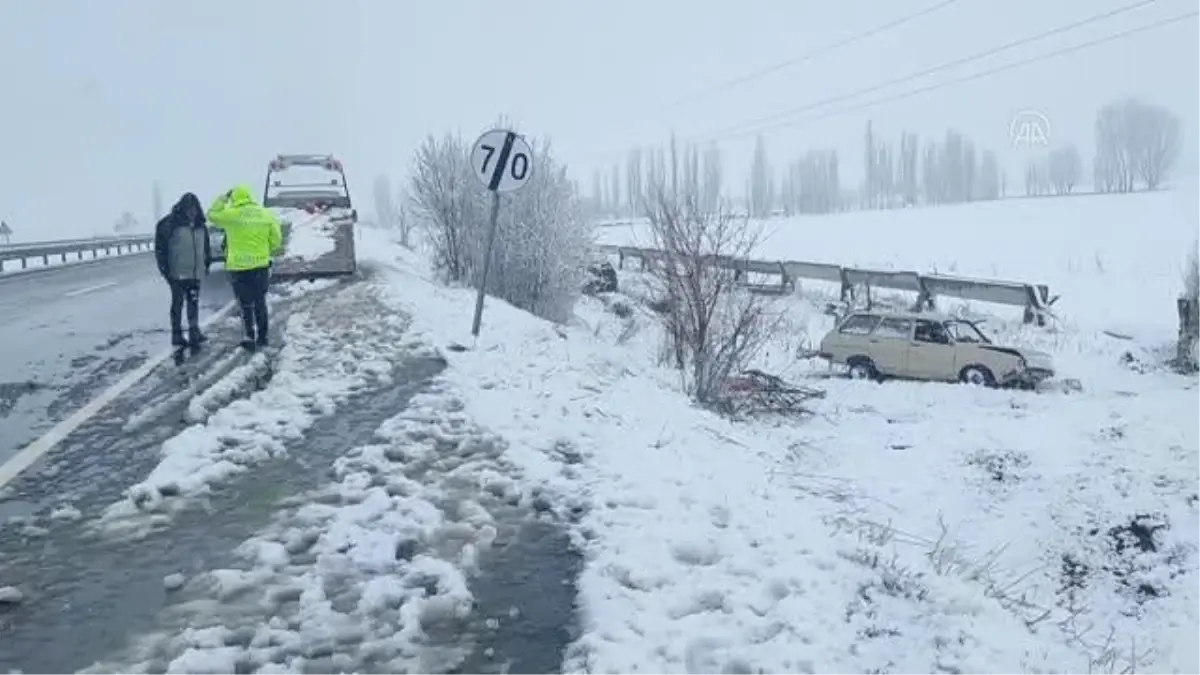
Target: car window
point(966, 332)
point(894, 328)
point(859, 324)
point(932, 332)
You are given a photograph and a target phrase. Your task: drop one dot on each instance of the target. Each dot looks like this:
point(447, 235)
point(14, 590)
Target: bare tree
point(713, 326)
point(1157, 146)
point(1134, 141)
point(1063, 169)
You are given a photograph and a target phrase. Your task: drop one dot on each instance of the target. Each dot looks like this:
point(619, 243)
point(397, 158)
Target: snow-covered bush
point(542, 241)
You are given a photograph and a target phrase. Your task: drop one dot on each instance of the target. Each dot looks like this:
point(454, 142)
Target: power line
point(734, 129)
point(975, 76)
point(808, 56)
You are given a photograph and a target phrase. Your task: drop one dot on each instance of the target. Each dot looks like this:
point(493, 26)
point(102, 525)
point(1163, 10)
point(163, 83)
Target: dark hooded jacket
point(181, 246)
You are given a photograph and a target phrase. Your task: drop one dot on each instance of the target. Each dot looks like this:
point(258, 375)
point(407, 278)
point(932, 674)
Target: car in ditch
point(878, 344)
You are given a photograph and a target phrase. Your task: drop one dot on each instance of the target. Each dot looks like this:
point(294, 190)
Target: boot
point(248, 343)
point(195, 337)
point(177, 339)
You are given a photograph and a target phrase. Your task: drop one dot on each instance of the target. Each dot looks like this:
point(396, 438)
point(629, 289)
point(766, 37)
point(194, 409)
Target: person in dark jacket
point(183, 253)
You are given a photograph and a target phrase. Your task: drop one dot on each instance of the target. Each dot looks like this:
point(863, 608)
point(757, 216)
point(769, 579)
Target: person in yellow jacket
point(252, 236)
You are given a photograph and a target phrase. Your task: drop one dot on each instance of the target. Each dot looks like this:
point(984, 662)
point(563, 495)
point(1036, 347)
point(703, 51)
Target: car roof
point(898, 314)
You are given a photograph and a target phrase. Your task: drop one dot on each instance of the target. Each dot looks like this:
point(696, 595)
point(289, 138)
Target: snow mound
point(310, 236)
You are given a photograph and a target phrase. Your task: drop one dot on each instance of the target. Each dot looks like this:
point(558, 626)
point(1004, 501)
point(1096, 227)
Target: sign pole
point(503, 162)
point(487, 263)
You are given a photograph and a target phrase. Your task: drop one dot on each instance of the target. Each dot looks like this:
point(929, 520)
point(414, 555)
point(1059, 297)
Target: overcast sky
point(101, 98)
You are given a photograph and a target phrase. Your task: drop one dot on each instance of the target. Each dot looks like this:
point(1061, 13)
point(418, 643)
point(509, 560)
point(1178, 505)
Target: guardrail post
point(847, 292)
point(46, 259)
point(924, 297)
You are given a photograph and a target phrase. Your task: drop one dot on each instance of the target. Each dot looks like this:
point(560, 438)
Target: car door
point(931, 353)
point(888, 346)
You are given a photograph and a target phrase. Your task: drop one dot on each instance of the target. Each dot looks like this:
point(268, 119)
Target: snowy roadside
point(701, 552)
point(711, 546)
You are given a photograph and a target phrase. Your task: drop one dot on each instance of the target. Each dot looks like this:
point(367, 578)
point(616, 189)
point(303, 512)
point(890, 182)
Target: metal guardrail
point(1034, 298)
point(73, 247)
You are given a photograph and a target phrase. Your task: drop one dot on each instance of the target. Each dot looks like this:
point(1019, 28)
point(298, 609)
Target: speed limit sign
point(502, 160)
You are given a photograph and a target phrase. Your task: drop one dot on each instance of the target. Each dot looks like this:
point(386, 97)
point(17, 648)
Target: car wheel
point(861, 368)
point(978, 376)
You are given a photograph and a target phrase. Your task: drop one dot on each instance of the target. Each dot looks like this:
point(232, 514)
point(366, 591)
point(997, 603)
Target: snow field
point(1076, 512)
point(1116, 260)
point(331, 350)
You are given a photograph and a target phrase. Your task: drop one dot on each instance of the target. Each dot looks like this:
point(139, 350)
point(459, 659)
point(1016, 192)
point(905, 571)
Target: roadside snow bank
point(702, 554)
point(331, 350)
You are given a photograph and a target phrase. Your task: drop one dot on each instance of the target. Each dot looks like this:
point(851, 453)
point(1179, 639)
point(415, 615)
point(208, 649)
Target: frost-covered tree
point(712, 188)
point(634, 188)
point(614, 190)
point(816, 180)
point(542, 240)
point(448, 205)
point(385, 207)
point(989, 176)
point(761, 192)
point(1037, 178)
point(931, 175)
point(870, 193)
point(1063, 169)
point(908, 180)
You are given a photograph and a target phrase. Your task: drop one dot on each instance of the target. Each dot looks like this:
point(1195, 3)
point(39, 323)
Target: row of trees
point(1136, 145)
point(945, 172)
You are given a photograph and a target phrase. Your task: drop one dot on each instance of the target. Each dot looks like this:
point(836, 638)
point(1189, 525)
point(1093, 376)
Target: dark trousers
point(185, 292)
point(250, 289)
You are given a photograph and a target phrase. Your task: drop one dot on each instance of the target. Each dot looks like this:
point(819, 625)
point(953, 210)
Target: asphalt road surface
point(67, 333)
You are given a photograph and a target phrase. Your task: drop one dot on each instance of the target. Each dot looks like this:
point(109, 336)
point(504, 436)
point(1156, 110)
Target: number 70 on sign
point(502, 160)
